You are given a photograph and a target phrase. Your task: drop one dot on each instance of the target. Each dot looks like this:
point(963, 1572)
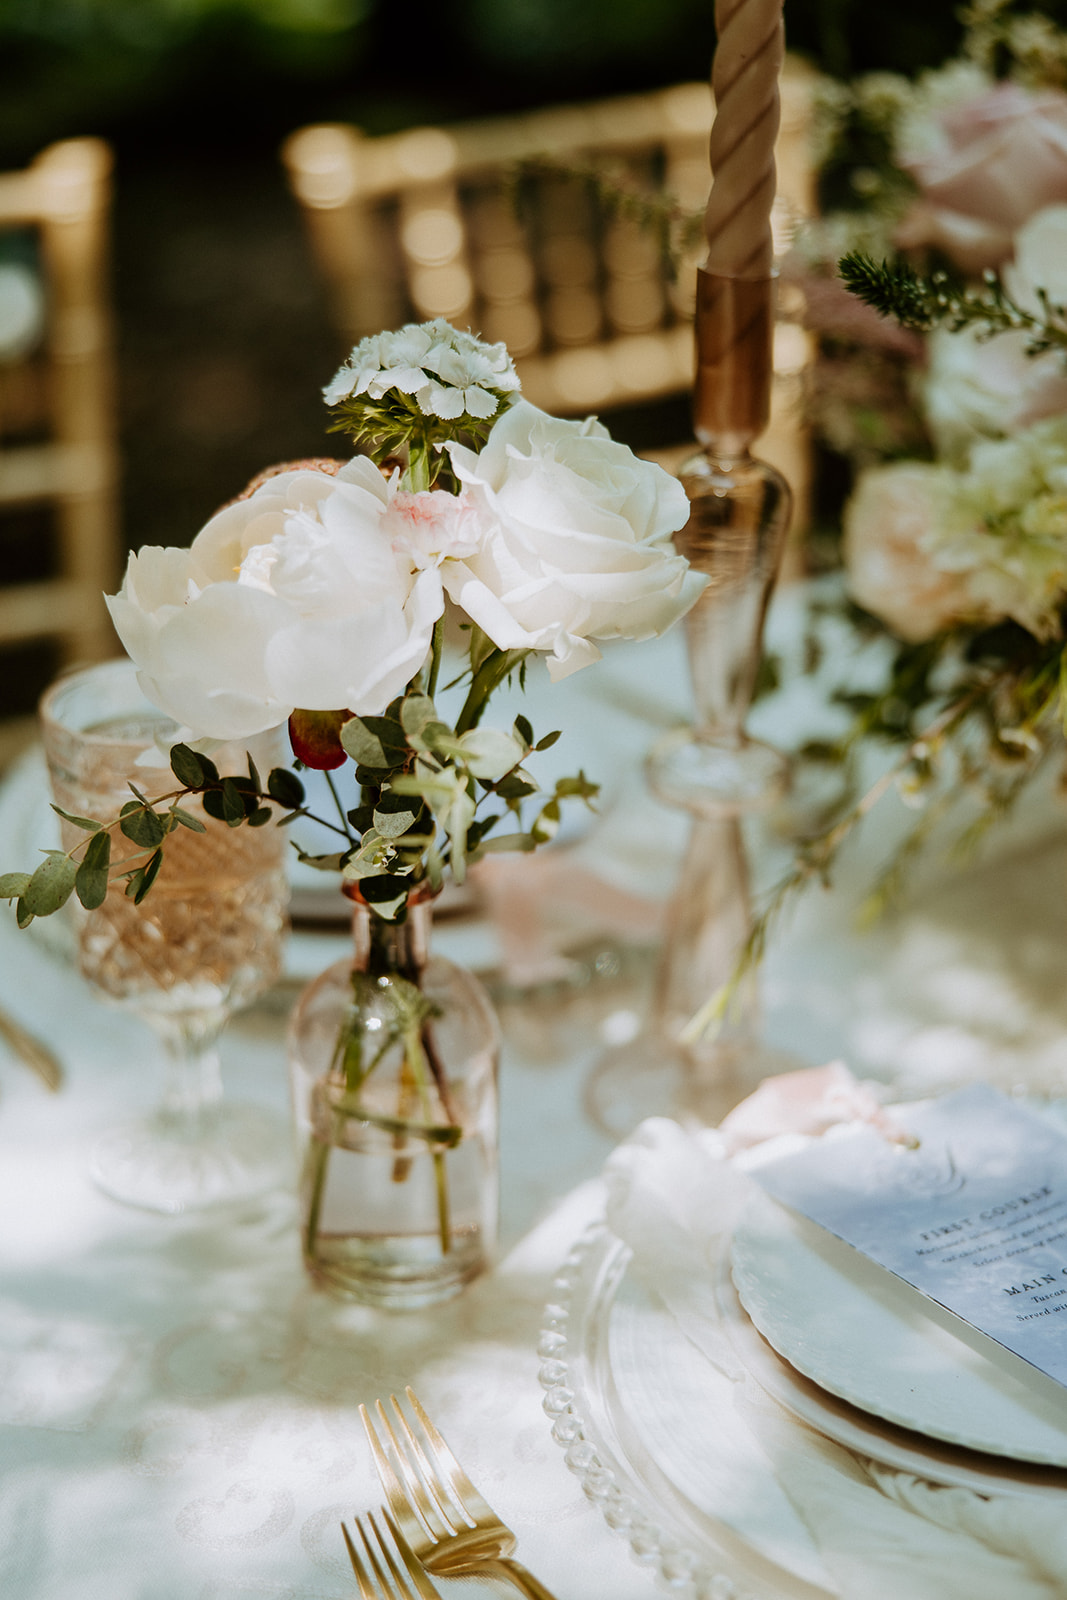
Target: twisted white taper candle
point(748, 59)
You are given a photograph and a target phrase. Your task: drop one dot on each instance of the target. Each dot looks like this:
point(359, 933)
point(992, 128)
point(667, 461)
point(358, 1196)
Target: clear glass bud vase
point(393, 1056)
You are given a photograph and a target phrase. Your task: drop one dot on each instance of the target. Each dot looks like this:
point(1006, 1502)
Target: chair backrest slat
point(419, 224)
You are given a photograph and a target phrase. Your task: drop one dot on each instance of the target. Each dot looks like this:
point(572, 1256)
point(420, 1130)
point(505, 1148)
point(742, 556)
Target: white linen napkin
point(882, 1534)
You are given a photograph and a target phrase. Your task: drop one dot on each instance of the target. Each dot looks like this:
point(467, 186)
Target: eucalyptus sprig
point(88, 868)
point(425, 793)
point(924, 301)
point(1003, 710)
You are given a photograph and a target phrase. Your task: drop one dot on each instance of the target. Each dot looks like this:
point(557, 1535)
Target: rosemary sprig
point(924, 301)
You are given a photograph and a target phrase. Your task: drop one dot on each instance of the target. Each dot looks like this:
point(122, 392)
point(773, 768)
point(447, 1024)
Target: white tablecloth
point(178, 1410)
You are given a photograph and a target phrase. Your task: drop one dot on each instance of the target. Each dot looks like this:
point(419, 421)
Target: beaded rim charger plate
point(648, 1426)
point(635, 1407)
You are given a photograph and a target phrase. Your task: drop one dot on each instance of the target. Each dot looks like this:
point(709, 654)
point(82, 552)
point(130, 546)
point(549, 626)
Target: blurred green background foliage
point(156, 74)
point(224, 337)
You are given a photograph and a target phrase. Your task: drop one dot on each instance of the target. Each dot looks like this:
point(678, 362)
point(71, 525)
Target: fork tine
point(403, 1589)
point(466, 1496)
point(417, 1572)
point(411, 1497)
point(366, 1592)
point(434, 1472)
point(394, 1489)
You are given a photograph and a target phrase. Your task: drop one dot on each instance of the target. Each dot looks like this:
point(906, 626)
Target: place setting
point(728, 1375)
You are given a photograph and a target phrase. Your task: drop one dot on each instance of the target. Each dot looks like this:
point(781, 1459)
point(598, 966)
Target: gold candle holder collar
point(735, 361)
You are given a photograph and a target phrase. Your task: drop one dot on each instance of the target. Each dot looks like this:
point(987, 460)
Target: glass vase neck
point(381, 946)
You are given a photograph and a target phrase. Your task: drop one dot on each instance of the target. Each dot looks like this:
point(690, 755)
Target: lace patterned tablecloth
point(177, 1408)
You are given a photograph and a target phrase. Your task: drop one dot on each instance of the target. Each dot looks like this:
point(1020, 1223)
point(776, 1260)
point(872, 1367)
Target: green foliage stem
point(924, 301)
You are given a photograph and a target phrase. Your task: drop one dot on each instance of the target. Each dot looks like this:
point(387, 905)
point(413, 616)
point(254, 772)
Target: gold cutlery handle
point(514, 1572)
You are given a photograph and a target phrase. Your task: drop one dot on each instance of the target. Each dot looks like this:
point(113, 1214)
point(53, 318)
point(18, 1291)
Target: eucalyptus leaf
point(233, 806)
point(514, 788)
point(576, 788)
point(324, 863)
point(381, 887)
point(188, 767)
point(490, 752)
point(285, 787)
point(79, 822)
point(546, 825)
point(509, 841)
point(51, 885)
point(361, 817)
point(187, 820)
point(416, 710)
point(436, 737)
point(375, 742)
point(13, 885)
point(92, 878)
point(260, 817)
point(394, 815)
point(143, 879)
point(548, 741)
point(140, 823)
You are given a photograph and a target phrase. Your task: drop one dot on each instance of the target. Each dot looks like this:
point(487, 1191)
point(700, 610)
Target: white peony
point(581, 545)
point(446, 372)
point(892, 526)
point(301, 595)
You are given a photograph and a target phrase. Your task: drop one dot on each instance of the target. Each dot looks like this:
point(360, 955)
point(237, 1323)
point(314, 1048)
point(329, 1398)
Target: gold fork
point(373, 1584)
point(445, 1520)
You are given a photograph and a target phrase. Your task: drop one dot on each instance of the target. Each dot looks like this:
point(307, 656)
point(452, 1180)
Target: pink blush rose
point(1003, 158)
point(888, 523)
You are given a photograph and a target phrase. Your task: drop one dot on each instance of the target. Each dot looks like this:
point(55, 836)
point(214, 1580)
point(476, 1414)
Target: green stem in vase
point(318, 1157)
point(415, 1057)
point(497, 665)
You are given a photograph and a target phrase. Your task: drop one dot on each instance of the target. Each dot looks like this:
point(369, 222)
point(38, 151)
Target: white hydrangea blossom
point(448, 373)
point(1006, 527)
point(928, 547)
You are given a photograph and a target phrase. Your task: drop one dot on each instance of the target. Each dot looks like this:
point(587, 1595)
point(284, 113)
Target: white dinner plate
point(869, 1435)
point(862, 1334)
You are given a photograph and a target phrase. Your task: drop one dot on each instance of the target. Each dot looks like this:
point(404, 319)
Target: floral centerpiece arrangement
point(319, 598)
point(943, 380)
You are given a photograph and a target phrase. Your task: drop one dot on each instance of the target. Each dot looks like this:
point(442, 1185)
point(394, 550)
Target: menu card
point(975, 1217)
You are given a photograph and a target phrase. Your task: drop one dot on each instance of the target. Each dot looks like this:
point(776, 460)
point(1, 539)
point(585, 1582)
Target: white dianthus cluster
point(447, 372)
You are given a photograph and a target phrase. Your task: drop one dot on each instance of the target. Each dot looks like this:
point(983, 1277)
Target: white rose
point(977, 388)
point(581, 549)
point(892, 526)
point(293, 597)
point(1040, 260)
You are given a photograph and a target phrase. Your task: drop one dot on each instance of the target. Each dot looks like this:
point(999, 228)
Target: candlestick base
point(710, 776)
point(739, 516)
